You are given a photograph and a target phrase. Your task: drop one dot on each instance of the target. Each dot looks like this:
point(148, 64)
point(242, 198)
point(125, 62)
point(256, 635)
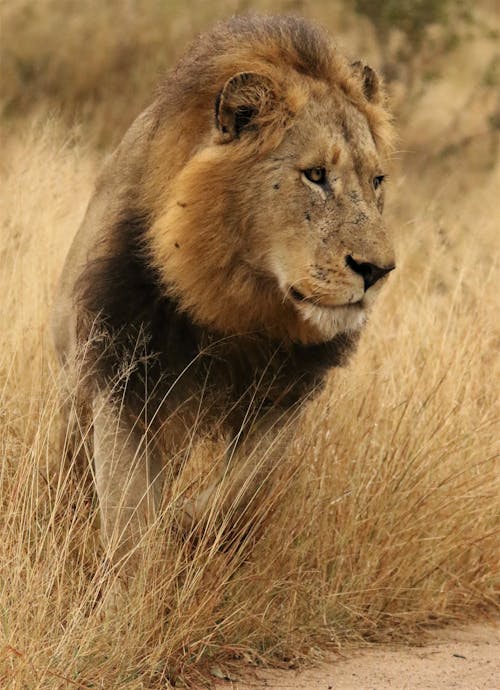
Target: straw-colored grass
point(385, 516)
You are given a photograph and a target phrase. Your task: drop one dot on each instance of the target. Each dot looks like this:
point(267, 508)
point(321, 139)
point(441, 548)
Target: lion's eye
point(316, 175)
point(377, 181)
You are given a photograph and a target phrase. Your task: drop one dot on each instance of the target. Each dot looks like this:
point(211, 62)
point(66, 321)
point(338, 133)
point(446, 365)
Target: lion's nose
point(369, 272)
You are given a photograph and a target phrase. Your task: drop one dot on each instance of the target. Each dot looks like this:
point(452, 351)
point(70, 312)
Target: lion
point(229, 256)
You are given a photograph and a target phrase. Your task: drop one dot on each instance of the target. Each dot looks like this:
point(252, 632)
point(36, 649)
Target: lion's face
point(288, 238)
point(318, 228)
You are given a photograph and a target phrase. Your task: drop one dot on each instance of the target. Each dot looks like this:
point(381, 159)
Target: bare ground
point(467, 658)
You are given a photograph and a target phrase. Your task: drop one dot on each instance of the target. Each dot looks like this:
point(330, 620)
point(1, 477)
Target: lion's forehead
point(329, 130)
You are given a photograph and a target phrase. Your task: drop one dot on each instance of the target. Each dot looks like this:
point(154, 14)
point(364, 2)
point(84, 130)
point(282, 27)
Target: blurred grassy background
point(391, 523)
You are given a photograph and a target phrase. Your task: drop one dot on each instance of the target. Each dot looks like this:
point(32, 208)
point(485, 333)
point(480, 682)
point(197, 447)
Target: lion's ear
point(244, 101)
point(370, 81)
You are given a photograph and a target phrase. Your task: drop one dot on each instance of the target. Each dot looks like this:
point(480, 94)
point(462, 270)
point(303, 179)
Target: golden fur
point(235, 241)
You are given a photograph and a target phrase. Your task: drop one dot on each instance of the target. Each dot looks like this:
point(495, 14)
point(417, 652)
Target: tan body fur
point(228, 258)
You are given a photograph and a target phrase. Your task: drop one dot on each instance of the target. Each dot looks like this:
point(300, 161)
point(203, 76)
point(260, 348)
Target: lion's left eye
point(316, 175)
point(377, 181)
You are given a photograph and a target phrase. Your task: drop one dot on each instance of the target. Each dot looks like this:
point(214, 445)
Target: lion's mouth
point(299, 297)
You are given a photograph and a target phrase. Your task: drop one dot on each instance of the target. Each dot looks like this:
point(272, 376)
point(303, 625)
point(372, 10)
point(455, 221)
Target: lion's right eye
point(316, 175)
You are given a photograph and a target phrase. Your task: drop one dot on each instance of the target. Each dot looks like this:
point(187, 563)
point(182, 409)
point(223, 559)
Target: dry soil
point(467, 658)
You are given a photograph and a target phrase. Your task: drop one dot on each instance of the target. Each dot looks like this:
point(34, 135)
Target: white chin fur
point(330, 321)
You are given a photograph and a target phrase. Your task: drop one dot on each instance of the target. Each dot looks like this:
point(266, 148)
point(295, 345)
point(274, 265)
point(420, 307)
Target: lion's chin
point(330, 321)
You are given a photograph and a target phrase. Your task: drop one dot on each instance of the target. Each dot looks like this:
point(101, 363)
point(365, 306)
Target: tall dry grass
point(385, 517)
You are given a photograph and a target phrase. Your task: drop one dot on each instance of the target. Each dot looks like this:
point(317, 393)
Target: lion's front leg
point(127, 476)
point(252, 460)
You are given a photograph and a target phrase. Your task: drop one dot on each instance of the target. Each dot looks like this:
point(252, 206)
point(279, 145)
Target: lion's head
point(269, 215)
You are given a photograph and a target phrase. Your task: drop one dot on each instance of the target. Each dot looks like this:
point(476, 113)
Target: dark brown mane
point(132, 326)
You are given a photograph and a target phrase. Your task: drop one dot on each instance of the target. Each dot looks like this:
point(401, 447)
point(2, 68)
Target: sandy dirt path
point(465, 658)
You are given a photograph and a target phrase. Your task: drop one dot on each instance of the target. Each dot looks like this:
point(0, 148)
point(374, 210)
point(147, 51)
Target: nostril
point(369, 272)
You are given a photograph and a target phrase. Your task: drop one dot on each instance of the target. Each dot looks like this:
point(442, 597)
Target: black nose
point(369, 272)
